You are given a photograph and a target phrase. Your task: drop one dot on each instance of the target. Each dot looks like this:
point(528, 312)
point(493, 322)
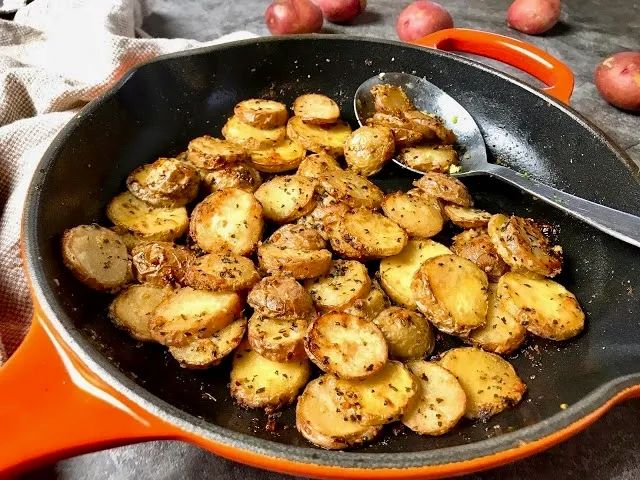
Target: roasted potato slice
point(263, 114)
point(286, 198)
point(368, 149)
point(419, 215)
point(465, 217)
point(134, 307)
point(346, 282)
point(206, 352)
point(503, 332)
point(128, 238)
point(490, 383)
point(319, 138)
point(167, 182)
point(408, 334)
point(452, 292)
point(346, 345)
point(430, 126)
point(475, 245)
point(390, 99)
point(211, 153)
point(257, 382)
point(326, 215)
point(352, 189)
point(368, 235)
point(161, 263)
point(523, 246)
point(316, 164)
point(396, 272)
point(96, 256)
point(145, 221)
point(543, 306)
point(380, 398)
point(189, 314)
point(299, 264)
point(316, 109)
point(440, 402)
point(323, 424)
point(280, 297)
point(239, 175)
point(229, 220)
point(370, 306)
point(298, 237)
point(278, 339)
point(403, 133)
point(223, 272)
point(429, 158)
point(252, 138)
point(282, 157)
point(441, 185)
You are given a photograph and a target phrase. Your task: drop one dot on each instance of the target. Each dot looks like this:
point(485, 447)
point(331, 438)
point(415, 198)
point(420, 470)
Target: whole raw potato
point(533, 16)
point(618, 80)
point(286, 17)
point(422, 18)
point(341, 11)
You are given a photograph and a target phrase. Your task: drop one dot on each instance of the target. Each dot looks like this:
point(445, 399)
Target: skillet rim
point(112, 376)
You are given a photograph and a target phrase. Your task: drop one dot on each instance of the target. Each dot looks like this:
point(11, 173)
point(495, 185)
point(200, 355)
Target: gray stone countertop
point(589, 30)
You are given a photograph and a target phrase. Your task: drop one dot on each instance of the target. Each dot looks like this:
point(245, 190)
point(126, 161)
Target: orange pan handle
point(52, 407)
point(527, 57)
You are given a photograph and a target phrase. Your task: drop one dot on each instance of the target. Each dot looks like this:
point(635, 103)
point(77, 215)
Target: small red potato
point(533, 16)
point(618, 80)
point(422, 18)
point(286, 17)
point(341, 11)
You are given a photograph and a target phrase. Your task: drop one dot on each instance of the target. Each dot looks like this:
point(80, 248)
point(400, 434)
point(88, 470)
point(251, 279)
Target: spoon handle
point(621, 225)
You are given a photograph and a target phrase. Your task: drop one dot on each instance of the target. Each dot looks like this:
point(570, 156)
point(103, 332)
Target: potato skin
point(368, 149)
point(617, 80)
point(299, 264)
point(161, 263)
point(533, 16)
point(430, 126)
point(280, 297)
point(240, 175)
point(263, 114)
point(475, 245)
point(298, 237)
point(408, 334)
point(167, 182)
point(403, 133)
point(446, 187)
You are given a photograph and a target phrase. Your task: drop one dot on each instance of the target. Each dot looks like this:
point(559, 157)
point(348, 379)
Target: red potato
point(286, 17)
point(533, 16)
point(341, 11)
point(618, 80)
point(422, 18)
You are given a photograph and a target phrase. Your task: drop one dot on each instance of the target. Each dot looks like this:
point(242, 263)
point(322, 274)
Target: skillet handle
point(527, 57)
point(52, 407)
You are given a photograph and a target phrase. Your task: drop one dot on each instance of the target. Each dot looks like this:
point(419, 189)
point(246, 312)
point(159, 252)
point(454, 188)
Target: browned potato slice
point(429, 158)
point(403, 133)
point(239, 175)
point(390, 99)
point(446, 187)
point(145, 221)
point(257, 382)
point(161, 263)
point(280, 297)
point(431, 126)
point(96, 256)
point(278, 339)
point(370, 306)
point(282, 157)
point(317, 164)
point(465, 217)
point(352, 189)
point(543, 306)
point(263, 114)
point(368, 149)
point(396, 272)
point(167, 182)
point(490, 383)
point(452, 292)
point(316, 109)
point(212, 153)
point(368, 235)
point(229, 220)
point(319, 138)
point(323, 424)
point(286, 198)
point(299, 264)
point(380, 398)
point(206, 352)
point(127, 237)
point(475, 245)
point(252, 138)
point(523, 246)
point(221, 272)
point(419, 215)
point(503, 332)
point(346, 345)
point(440, 403)
point(298, 237)
point(326, 215)
point(132, 309)
point(346, 282)
point(408, 334)
point(189, 314)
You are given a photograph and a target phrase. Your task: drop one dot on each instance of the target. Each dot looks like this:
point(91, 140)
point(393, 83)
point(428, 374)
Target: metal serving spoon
point(429, 98)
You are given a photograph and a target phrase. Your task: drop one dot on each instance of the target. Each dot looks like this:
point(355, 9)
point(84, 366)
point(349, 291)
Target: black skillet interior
point(164, 104)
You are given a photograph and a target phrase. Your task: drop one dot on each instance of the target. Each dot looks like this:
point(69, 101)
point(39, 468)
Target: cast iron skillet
point(98, 387)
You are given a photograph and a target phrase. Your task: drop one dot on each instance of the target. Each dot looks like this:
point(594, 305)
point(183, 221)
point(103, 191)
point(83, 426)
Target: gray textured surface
point(590, 30)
